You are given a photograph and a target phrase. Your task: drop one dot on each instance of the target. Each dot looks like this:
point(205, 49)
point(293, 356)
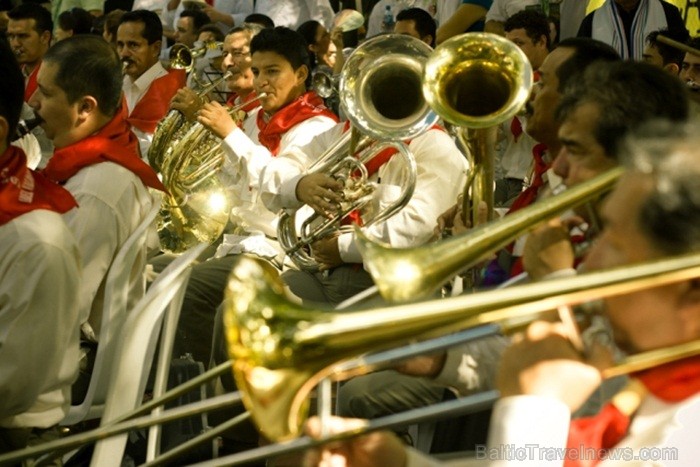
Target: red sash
point(32, 85)
point(22, 190)
point(672, 382)
point(302, 108)
point(114, 142)
point(153, 106)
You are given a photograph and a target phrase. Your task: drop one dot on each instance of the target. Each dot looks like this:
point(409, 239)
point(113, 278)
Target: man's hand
point(548, 249)
point(215, 117)
point(377, 449)
point(187, 102)
point(320, 192)
point(423, 365)
point(326, 253)
point(452, 220)
point(543, 362)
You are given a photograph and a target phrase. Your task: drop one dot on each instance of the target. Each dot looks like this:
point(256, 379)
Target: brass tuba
point(380, 93)
point(476, 81)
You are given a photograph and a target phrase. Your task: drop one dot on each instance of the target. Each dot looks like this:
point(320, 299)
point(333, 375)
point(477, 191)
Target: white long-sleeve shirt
point(39, 281)
point(292, 13)
point(112, 202)
point(441, 174)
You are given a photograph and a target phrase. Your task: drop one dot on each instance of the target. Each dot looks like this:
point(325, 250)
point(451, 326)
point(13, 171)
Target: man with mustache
point(148, 87)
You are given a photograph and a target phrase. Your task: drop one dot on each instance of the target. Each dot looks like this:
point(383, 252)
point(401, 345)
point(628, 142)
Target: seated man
point(39, 284)
point(651, 214)
point(96, 158)
point(288, 117)
point(148, 87)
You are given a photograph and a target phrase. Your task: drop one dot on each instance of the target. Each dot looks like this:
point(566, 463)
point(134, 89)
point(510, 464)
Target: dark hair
point(424, 23)
point(285, 42)
point(669, 54)
point(88, 66)
point(152, 27)
point(40, 15)
point(199, 18)
point(533, 22)
point(112, 20)
point(627, 94)
point(12, 85)
point(586, 51)
point(308, 31)
point(258, 18)
point(214, 29)
point(77, 20)
point(694, 42)
point(670, 154)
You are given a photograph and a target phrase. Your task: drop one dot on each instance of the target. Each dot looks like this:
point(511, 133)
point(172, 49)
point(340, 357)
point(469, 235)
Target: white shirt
point(39, 280)
point(571, 13)
point(249, 159)
point(441, 175)
point(376, 17)
point(292, 13)
point(237, 9)
point(112, 202)
point(133, 92)
point(536, 425)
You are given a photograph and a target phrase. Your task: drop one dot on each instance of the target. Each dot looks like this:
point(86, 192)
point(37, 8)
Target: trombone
point(281, 351)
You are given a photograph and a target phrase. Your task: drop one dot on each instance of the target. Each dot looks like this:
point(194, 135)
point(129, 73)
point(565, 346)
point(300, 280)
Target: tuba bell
point(380, 93)
point(183, 58)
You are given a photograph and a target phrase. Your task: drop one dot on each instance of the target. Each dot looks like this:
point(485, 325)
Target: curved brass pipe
point(281, 350)
point(414, 273)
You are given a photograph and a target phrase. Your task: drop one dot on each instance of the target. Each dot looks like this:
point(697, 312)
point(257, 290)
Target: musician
point(96, 158)
point(188, 24)
point(663, 55)
point(690, 69)
point(148, 87)
point(637, 19)
point(29, 34)
point(39, 281)
point(651, 214)
point(416, 22)
point(288, 117)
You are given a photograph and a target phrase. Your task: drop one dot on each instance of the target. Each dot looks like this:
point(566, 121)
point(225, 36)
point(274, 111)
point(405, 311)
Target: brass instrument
point(380, 92)
point(24, 127)
point(197, 206)
point(281, 351)
point(413, 273)
point(476, 81)
point(183, 58)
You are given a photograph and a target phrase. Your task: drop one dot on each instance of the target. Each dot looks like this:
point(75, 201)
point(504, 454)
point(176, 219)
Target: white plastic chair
point(113, 316)
point(136, 348)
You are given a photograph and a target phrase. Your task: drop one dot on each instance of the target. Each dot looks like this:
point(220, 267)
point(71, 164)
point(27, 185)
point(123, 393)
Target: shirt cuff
point(288, 193)
point(347, 248)
point(236, 139)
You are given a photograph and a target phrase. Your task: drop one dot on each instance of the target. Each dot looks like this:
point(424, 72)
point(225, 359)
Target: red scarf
point(22, 190)
point(302, 108)
point(672, 382)
point(32, 85)
point(154, 104)
point(114, 142)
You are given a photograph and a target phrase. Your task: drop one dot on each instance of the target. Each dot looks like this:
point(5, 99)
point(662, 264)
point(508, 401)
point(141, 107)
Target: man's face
point(28, 45)
point(135, 50)
point(185, 33)
point(407, 27)
point(275, 76)
point(51, 104)
point(652, 56)
point(647, 319)
point(690, 71)
point(545, 98)
point(581, 156)
point(236, 59)
point(535, 51)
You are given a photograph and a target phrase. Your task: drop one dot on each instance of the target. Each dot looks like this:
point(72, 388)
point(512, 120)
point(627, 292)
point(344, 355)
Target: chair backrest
point(114, 312)
point(136, 348)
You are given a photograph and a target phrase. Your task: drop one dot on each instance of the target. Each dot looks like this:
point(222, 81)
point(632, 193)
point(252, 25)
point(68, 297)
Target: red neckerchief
point(22, 190)
point(32, 85)
point(154, 104)
point(114, 142)
point(302, 108)
point(672, 382)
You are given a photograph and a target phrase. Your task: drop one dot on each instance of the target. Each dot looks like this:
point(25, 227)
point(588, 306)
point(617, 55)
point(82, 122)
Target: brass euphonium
point(198, 203)
point(380, 93)
point(281, 350)
point(475, 81)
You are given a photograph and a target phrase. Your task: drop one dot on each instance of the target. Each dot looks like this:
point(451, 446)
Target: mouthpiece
point(24, 127)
